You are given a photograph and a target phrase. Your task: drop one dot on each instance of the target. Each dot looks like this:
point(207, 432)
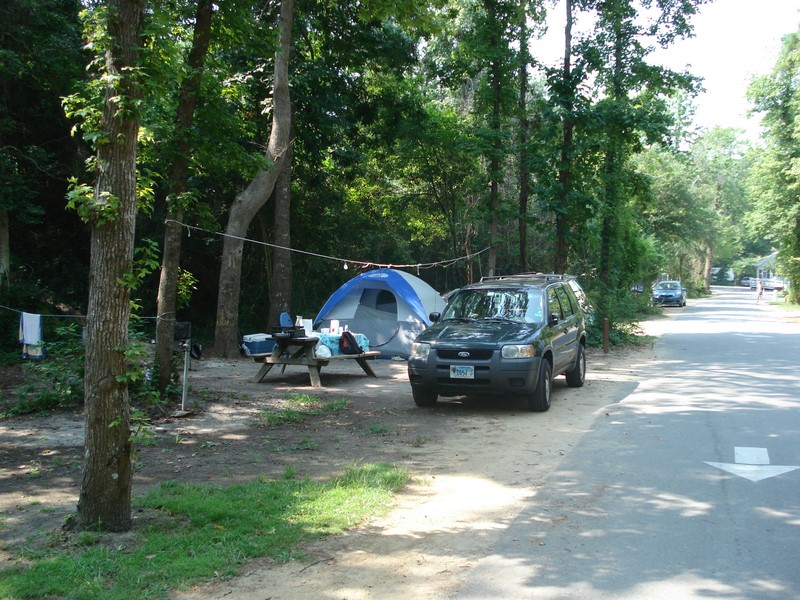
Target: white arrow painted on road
point(752, 464)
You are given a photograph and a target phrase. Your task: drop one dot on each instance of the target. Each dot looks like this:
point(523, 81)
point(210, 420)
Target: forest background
point(283, 147)
point(423, 134)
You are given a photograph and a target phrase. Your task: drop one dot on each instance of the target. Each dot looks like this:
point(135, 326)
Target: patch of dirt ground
point(474, 465)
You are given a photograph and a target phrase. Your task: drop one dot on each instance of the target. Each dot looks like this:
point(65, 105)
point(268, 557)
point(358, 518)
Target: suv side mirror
point(434, 316)
point(553, 320)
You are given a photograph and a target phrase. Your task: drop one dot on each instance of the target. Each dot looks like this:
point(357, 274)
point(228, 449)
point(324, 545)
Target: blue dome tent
point(389, 306)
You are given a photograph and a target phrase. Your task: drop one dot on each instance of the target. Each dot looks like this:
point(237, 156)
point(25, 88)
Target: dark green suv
point(507, 335)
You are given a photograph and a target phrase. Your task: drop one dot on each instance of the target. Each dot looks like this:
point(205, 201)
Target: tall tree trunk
point(524, 125)
point(5, 249)
point(178, 177)
point(250, 201)
point(497, 142)
point(281, 276)
point(612, 168)
point(565, 164)
point(105, 493)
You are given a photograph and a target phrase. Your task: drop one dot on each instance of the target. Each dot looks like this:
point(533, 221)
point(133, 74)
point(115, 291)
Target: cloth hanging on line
point(30, 335)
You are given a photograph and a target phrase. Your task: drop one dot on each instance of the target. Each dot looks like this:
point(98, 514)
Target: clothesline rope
point(346, 261)
point(363, 264)
point(19, 312)
point(61, 316)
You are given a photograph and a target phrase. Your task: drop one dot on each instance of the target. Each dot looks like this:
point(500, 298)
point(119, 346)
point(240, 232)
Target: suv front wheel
point(539, 400)
point(423, 397)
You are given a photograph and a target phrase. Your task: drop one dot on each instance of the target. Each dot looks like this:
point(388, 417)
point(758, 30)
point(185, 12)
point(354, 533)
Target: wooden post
point(605, 335)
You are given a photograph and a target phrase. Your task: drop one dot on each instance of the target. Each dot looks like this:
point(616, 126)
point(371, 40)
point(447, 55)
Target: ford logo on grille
point(463, 354)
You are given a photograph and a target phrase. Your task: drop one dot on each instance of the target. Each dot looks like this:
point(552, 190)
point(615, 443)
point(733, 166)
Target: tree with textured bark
point(495, 144)
point(566, 100)
point(178, 179)
point(281, 276)
point(105, 491)
point(248, 202)
point(523, 136)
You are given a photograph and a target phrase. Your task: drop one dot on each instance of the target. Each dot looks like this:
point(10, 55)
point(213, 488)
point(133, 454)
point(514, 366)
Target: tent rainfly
point(389, 306)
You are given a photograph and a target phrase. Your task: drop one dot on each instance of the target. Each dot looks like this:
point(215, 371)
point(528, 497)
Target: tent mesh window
point(386, 302)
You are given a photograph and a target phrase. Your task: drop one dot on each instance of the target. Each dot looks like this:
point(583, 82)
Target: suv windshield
point(519, 305)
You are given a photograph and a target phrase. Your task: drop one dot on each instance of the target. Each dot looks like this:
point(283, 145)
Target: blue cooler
point(257, 343)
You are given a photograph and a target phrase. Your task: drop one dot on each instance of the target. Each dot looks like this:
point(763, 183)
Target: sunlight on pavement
point(783, 516)
point(453, 503)
point(685, 585)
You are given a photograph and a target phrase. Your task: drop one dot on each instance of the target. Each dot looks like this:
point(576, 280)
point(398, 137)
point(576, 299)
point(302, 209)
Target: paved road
point(686, 489)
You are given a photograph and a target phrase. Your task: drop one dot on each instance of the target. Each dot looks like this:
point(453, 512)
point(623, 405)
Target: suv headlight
point(419, 350)
point(518, 351)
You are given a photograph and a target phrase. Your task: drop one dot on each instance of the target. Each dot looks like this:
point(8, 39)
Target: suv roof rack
point(544, 276)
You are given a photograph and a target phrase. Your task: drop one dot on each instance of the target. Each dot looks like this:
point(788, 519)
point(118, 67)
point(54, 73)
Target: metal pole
point(186, 358)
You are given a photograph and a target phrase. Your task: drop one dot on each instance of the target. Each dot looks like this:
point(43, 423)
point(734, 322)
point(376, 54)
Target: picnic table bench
point(302, 351)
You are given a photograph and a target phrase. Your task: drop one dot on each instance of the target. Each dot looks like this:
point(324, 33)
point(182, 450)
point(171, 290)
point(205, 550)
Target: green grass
point(298, 408)
point(190, 533)
point(376, 428)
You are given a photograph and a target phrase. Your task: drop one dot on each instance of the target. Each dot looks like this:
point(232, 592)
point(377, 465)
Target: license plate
point(462, 372)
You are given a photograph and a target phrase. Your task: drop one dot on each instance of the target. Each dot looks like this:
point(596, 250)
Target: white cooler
point(257, 343)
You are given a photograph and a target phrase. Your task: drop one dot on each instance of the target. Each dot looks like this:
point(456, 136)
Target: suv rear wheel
point(423, 397)
point(539, 400)
point(577, 375)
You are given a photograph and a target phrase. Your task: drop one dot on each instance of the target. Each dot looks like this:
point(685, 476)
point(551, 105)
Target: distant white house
point(767, 273)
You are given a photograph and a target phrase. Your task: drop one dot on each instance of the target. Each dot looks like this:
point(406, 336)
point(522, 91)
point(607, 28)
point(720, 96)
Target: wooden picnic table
point(302, 351)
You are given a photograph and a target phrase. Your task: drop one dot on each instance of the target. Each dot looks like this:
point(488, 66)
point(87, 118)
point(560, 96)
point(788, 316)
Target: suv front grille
point(453, 354)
